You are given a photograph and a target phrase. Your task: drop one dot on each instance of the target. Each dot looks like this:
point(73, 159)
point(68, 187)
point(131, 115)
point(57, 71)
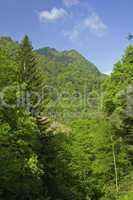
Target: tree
point(20, 168)
point(119, 108)
point(30, 78)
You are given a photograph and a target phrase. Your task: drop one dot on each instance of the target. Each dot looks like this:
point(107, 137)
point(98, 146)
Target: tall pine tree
point(30, 78)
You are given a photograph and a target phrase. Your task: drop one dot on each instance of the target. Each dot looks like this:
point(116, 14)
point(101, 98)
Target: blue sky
point(96, 28)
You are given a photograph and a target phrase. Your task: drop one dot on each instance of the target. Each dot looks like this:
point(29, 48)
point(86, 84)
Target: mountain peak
point(68, 57)
point(47, 51)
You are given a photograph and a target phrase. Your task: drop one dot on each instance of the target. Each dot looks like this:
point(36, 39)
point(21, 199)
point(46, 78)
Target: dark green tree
point(30, 78)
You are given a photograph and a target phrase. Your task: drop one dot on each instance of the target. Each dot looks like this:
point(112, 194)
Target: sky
point(98, 29)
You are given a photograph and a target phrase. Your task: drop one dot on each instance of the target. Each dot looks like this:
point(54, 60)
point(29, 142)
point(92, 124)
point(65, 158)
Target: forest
point(66, 129)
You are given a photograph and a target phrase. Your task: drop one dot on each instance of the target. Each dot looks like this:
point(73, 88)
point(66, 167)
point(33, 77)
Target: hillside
point(72, 80)
point(73, 83)
point(83, 154)
point(68, 57)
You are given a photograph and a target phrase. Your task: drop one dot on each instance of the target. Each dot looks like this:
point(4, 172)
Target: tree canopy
point(66, 130)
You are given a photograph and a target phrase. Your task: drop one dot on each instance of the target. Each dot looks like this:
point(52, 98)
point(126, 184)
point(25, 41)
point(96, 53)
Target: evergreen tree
point(30, 78)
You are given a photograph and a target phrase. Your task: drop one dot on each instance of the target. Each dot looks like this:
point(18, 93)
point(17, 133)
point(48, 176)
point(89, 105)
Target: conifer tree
point(30, 78)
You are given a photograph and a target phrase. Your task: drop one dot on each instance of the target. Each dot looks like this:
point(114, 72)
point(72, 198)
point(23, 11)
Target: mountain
point(72, 80)
point(83, 157)
point(68, 57)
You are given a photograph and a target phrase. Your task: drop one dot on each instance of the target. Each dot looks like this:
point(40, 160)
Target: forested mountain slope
point(67, 58)
point(73, 83)
point(72, 80)
point(86, 157)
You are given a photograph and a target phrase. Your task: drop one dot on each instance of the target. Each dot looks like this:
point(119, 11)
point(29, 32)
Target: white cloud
point(71, 2)
point(95, 24)
point(52, 15)
point(72, 35)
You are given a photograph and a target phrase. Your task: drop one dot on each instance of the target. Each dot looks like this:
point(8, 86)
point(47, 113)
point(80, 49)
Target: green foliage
point(91, 157)
point(76, 78)
point(118, 105)
point(30, 77)
point(20, 169)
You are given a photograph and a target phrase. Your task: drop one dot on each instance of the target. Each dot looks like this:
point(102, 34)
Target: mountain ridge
point(71, 79)
point(66, 54)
